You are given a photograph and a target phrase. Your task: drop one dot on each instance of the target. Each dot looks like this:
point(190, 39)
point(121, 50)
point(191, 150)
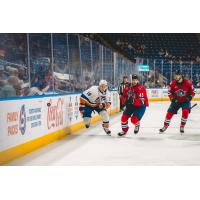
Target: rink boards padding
point(162, 95)
point(31, 122)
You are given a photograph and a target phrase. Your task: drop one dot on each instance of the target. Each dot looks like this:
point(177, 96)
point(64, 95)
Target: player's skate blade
point(108, 132)
point(122, 133)
point(181, 130)
point(136, 130)
point(162, 130)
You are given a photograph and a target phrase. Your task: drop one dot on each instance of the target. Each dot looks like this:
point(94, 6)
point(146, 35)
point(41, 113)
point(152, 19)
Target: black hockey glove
point(129, 100)
point(189, 98)
point(174, 101)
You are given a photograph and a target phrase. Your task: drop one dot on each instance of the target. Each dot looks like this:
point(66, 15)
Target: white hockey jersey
point(93, 96)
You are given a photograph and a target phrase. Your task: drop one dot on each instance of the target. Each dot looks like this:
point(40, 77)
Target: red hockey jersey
point(181, 91)
point(139, 95)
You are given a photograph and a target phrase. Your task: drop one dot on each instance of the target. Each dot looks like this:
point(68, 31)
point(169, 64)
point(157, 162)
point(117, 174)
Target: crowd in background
point(78, 63)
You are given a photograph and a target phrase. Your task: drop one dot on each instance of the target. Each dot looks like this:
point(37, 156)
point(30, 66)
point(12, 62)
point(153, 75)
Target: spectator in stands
point(30, 91)
point(2, 83)
point(7, 90)
point(48, 83)
point(118, 43)
point(130, 46)
point(19, 90)
point(21, 73)
point(16, 84)
point(147, 84)
point(78, 87)
point(163, 85)
point(198, 59)
point(12, 71)
point(198, 84)
point(25, 89)
point(14, 80)
point(3, 74)
point(34, 91)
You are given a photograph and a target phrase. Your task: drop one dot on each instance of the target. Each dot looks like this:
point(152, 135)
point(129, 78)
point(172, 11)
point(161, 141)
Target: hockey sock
point(135, 120)
point(124, 123)
point(86, 120)
point(105, 125)
point(185, 114)
point(168, 117)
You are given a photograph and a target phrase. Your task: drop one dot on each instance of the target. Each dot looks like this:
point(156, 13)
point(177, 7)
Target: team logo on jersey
point(180, 93)
point(22, 120)
point(89, 93)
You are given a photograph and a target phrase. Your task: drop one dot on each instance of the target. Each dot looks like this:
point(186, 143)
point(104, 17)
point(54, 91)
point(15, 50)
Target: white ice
point(93, 147)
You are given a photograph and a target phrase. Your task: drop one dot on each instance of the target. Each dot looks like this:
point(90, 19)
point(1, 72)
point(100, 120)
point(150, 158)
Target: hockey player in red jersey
point(135, 101)
point(181, 92)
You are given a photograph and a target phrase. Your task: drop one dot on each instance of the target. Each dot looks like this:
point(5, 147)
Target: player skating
point(135, 101)
point(181, 92)
point(96, 99)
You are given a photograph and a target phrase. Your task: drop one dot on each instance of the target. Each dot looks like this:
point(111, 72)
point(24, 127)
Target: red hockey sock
point(124, 123)
point(135, 120)
point(168, 117)
point(185, 114)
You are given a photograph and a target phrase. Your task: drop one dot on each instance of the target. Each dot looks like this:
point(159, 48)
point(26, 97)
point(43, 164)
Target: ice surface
point(93, 147)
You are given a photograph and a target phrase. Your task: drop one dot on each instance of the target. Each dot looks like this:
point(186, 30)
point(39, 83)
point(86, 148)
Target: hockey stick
point(193, 106)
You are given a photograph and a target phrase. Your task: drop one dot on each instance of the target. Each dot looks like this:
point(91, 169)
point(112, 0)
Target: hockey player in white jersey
point(96, 98)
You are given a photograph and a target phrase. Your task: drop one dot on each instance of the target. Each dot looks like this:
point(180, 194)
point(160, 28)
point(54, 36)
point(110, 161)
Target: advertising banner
point(23, 120)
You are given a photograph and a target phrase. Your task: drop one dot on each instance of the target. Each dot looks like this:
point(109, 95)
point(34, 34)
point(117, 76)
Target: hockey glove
point(129, 101)
point(174, 101)
point(189, 98)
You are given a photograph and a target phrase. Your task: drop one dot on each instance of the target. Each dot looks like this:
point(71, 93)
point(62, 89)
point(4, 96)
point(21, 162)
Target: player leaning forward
point(181, 92)
point(96, 98)
point(135, 101)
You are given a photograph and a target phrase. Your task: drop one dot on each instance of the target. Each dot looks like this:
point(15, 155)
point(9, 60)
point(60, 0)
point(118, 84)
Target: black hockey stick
point(193, 106)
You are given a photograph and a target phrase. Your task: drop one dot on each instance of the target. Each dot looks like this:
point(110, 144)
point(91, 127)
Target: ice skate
point(122, 133)
point(162, 130)
point(137, 128)
point(182, 130)
point(87, 125)
point(108, 132)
